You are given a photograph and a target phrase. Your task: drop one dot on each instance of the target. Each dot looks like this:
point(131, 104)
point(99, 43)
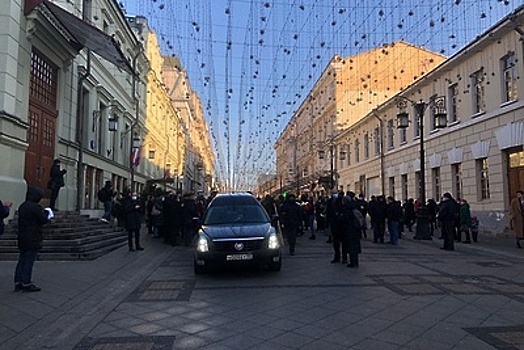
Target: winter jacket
point(31, 218)
point(465, 215)
point(394, 212)
point(448, 210)
point(291, 214)
point(132, 214)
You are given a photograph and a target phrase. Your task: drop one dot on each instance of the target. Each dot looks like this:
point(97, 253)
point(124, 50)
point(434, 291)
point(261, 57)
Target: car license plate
point(237, 257)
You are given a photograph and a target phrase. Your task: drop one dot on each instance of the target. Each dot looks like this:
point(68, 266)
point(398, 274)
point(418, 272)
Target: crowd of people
point(348, 217)
point(169, 216)
point(345, 218)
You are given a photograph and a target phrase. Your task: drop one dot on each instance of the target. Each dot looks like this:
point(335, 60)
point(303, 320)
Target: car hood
point(236, 231)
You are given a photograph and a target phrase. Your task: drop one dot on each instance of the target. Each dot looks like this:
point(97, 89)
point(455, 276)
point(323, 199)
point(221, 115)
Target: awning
point(89, 36)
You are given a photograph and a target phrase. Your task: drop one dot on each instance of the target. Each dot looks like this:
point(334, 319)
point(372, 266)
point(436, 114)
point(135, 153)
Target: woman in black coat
point(31, 218)
point(133, 220)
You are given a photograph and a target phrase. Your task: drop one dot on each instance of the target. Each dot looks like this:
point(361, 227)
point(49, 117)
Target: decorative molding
point(455, 155)
point(404, 168)
point(480, 149)
point(391, 171)
point(435, 160)
point(511, 135)
point(416, 165)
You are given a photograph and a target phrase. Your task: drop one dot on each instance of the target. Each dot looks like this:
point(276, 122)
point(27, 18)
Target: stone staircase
point(69, 236)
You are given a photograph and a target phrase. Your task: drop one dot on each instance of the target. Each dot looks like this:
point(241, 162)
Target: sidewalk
point(75, 296)
point(83, 302)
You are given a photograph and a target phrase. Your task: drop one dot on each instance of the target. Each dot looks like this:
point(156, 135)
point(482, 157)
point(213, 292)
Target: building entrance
point(516, 173)
point(42, 122)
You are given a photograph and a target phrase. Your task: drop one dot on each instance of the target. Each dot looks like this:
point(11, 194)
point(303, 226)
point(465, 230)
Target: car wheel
point(198, 269)
point(276, 266)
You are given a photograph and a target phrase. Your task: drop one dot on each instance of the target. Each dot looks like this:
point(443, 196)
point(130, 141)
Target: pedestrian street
point(410, 296)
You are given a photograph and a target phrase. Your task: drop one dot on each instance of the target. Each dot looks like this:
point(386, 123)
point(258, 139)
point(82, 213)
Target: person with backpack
point(394, 215)
point(105, 195)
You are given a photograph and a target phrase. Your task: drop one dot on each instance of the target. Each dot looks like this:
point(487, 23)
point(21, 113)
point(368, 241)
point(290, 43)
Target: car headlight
point(202, 245)
point(273, 242)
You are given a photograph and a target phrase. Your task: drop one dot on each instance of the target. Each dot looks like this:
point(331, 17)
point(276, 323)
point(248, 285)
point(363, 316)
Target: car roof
point(234, 199)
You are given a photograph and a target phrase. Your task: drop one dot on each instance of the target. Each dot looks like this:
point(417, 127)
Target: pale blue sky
point(252, 62)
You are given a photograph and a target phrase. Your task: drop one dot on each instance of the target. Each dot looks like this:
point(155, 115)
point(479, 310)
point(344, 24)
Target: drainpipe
point(381, 132)
point(134, 124)
point(80, 133)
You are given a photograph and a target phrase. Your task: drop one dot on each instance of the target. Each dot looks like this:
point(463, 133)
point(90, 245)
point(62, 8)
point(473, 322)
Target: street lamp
point(438, 106)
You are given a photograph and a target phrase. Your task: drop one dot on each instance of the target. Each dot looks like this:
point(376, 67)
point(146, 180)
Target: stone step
point(69, 236)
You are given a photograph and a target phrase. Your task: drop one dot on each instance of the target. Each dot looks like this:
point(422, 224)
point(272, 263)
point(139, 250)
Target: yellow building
point(197, 172)
point(165, 135)
point(345, 92)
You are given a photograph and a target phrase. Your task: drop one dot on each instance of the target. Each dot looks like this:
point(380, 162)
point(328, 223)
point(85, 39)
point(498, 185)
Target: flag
point(135, 156)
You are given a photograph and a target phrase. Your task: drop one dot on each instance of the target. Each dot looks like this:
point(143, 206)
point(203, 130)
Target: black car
point(236, 230)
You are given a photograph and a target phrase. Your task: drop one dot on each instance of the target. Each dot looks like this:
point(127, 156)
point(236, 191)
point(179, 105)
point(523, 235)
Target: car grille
point(230, 246)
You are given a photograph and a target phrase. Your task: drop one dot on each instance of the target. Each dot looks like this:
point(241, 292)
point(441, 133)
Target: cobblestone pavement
point(411, 296)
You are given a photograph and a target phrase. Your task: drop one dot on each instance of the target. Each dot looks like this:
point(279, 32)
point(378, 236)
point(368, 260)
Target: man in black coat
point(56, 182)
point(31, 218)
point(133, 220)
point(173, 219)
point(291, 219)
point(189, 216)
point(378, 212)
point(447, 214)
point(335, 212)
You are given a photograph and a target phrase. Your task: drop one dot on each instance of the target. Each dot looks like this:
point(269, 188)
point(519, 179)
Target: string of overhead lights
point(254, 62)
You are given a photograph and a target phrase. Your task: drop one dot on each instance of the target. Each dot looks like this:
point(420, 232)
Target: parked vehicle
point(236, 230)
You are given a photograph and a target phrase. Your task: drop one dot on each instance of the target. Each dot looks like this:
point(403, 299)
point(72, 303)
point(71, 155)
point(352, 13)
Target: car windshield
point(251, 214)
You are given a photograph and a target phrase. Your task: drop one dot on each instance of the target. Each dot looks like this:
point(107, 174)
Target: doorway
point(42, 122)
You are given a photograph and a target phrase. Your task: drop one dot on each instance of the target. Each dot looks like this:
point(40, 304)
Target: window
point(509, 76)
point(436, 183)
point(404, 184)
point(366, 146)
point(456, 173)
point(376, 135)
point(477, 86)
point(357, 151)
point(483, 181)
point(391, 131)
point(403, 135)
point(453, 104)
point(349, 154)
point(392, 186)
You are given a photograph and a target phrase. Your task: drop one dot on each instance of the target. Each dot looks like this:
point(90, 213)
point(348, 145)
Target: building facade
point(74, 85)
point(197, 172)
point(307, 150)
point(478, 155)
